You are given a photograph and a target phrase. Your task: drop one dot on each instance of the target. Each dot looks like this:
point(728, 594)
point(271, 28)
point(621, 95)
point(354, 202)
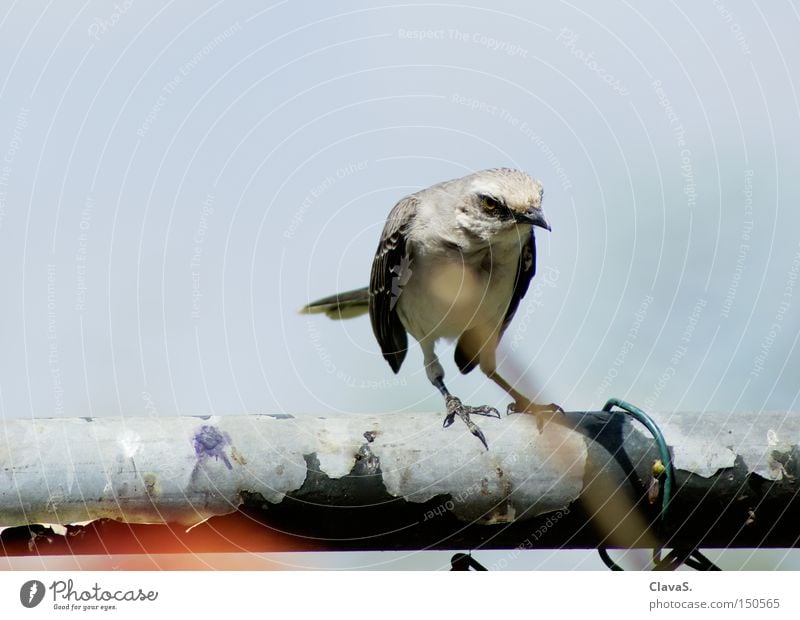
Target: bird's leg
point(453, 404)
point(522, 404)
point(456, 408)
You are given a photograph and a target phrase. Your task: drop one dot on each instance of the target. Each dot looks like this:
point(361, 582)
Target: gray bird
point(454, 261)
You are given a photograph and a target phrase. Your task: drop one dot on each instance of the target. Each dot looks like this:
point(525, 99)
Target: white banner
point(382, 595)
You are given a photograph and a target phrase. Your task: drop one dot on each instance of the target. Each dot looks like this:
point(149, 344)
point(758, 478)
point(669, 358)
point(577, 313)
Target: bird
point(453, 263)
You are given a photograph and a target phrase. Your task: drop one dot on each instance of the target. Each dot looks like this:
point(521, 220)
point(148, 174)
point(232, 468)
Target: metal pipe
point(395, 481)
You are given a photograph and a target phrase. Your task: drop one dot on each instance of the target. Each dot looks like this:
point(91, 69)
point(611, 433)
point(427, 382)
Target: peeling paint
point(772, 438)
point(236, 456)
point(129, 443)
point(703, 447)
point(505, 513)
point(367, 463)
point(336, 446)
point(151, 485)
point(542, 471)
point(699, 453)
point(187, 470)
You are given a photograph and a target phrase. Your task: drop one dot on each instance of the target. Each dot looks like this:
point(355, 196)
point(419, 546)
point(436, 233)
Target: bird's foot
point(543, 413)
point(456, 408)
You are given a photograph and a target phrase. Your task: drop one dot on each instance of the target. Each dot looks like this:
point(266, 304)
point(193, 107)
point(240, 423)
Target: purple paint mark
point(210, 441)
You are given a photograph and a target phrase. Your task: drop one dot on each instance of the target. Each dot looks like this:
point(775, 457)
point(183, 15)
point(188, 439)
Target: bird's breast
point(452, 291)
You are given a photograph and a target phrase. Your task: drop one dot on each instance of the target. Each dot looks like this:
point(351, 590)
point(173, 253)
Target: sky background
point(178, 178)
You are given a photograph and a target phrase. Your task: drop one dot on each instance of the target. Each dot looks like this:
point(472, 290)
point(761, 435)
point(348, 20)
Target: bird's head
point(500, 201)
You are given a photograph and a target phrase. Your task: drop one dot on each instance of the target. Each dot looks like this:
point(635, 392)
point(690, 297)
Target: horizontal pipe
point(394, 481)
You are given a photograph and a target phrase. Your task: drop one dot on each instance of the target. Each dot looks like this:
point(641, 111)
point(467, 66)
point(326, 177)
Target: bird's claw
point(485, 410)
point(542, 412)
point(532, 407)
point(456, 408)
point(454, 405)
point(473, 428)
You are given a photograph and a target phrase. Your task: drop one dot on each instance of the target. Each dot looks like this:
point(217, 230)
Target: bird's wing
point(391, 269)
point(526, 269)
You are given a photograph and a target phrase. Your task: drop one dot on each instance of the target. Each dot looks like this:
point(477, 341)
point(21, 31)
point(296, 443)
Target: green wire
point(666, 459)
point(695, 559)
point(645, 419)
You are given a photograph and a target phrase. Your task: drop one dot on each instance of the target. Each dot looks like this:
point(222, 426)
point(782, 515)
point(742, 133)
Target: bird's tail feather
point(341, 305)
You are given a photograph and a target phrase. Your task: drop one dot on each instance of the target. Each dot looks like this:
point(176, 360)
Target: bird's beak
point(534, 217)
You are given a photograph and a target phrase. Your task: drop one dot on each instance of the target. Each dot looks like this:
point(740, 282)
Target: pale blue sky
point(176, 179)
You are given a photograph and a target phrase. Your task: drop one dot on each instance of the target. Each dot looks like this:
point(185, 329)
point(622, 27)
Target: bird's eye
point(490, 203)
